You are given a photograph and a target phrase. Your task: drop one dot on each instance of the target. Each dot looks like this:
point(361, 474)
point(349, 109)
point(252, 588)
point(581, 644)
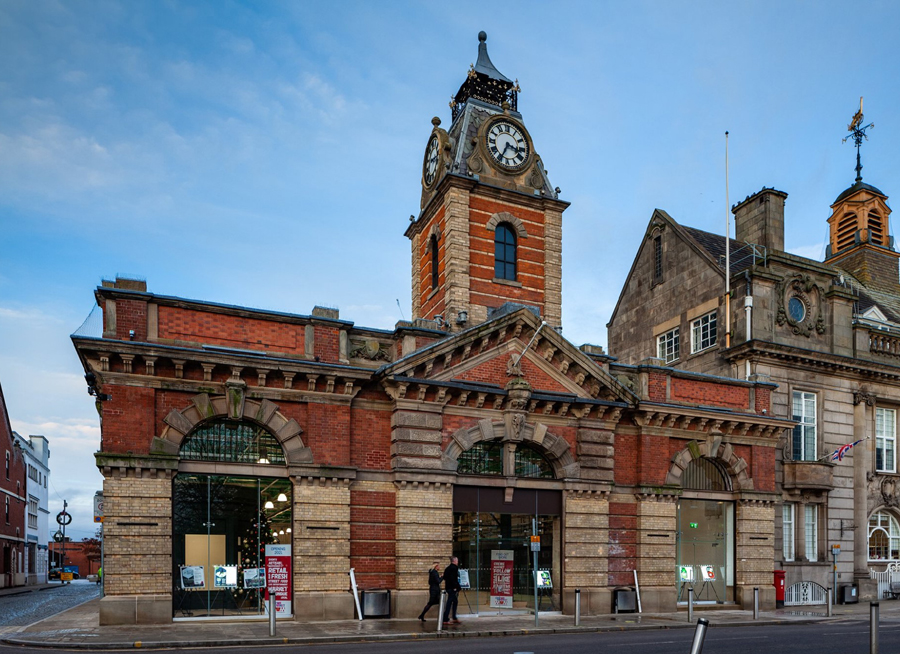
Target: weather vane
point(858, 133)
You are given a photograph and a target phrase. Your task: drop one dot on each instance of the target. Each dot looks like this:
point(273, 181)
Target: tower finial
point(858, 133)
point(482, 36)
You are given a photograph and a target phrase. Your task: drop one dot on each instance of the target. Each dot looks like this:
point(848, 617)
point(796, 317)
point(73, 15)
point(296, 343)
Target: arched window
point(232, 442)
point(884, 537)
point(486, 458)
point(704, 474)
point(434, 261)
point(505, 252)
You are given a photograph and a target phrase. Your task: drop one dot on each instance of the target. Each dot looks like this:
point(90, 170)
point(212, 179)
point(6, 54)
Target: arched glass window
point(704, 474)
point(884, 537)
point(504, 252)
point(486, 458)
point(434, 261)
point(232, 442)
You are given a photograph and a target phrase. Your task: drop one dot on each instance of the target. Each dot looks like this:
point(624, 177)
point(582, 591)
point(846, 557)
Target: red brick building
point(235, 439)
point(12, 505)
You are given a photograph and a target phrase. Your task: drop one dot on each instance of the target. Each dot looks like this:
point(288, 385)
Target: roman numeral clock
point(507, 143)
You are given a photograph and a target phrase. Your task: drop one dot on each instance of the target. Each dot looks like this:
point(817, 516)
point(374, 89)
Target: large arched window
point(232, 442)
point(434, 261)
point(505, 252)
point(486, 458)
point(884, 537)
point(704, 474)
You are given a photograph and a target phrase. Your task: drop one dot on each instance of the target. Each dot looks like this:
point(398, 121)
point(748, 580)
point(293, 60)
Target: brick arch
point(711, 448)
point(506, 217)
point(234, 406)
point(554, 448)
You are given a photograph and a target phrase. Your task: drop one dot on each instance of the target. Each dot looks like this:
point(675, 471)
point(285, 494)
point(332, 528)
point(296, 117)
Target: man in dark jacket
point(451, 585)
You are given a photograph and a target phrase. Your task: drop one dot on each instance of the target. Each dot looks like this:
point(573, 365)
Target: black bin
point(849, 594)
point(376, 603)
point(624, 599)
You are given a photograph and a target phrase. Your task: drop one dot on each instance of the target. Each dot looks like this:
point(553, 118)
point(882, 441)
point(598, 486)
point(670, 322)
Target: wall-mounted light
point(281, 532)
point(281, 497)
point(462, 317)
point(131, 334)
point(263, 456)
point(268, 505)
point(288, 530)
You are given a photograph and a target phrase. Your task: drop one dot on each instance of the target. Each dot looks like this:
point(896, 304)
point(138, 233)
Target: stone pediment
point(479, 360)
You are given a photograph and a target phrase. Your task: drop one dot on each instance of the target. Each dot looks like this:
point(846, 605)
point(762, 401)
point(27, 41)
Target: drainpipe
point(748, 315)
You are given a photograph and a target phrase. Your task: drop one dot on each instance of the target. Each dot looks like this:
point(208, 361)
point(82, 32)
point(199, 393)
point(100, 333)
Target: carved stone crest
point(800, 305)
point(889, 492)
point(370, 349)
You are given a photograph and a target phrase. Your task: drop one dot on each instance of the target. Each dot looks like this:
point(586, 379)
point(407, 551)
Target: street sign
point(535, 543)
point(58, 537)
point(98, 506)
point(64, 518)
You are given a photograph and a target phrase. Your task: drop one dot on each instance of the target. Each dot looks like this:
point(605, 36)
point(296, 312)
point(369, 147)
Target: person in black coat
point(452, 586)
point(434, 589)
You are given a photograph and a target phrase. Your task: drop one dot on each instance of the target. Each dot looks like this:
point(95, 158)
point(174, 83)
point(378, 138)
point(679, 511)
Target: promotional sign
point(535, 543)
point(98, 507)
point(543, 579)
point(708, 572)
point(501, 579)
point(464, 579)
point(254, 578)
point(193, 577)
point(225, 576)
point(278, 577)
point(685, 573)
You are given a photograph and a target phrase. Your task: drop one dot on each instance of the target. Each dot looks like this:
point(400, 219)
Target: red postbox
point(779, 589)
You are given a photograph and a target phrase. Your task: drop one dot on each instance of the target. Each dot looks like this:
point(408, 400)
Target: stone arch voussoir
point(234, 405)
point(506, 217)
point(712, 448)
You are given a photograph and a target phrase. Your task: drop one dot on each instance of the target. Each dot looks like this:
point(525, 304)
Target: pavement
point(78, 628)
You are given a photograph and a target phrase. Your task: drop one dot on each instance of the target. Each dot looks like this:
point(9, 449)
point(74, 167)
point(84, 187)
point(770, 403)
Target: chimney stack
point(759, 219)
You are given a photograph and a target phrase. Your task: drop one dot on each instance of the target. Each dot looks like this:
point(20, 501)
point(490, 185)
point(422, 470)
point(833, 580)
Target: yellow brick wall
point(321, 556)
point(424, 531)
point(585, 549)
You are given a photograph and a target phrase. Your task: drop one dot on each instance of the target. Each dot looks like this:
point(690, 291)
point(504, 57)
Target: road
point(20, 609)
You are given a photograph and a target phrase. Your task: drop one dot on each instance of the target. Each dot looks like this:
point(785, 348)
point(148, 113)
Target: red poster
point(278, 577)
point(502, 579)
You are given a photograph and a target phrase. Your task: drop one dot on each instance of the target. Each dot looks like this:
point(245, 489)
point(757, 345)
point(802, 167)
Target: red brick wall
point(622, 543)
point(327, 343)
point(131, 314)
point(692, 391)
point(654, 459)
point(494, 372)
point(370, 439)
point(373, 538)
point(128, 419)
point(656, 386)
point(625, 471)
point(763, 468)
point(328, 434)
point(432, 304)
point(229, 331)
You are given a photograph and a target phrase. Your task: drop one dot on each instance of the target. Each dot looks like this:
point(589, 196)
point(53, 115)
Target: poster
point(685, 573)
point(193, 577)
point(708, 572)
point(278, 577)
point(501, 579)
point(225, 576)
point(543, 579)
point(464, 579)
point(254, 578)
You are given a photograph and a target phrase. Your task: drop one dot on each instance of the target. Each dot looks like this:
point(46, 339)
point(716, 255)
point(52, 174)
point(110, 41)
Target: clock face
point(796, 309)
point(429, 170)
point(507, 144)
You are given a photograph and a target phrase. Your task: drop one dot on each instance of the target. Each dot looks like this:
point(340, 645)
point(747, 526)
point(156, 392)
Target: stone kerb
point(234, 406)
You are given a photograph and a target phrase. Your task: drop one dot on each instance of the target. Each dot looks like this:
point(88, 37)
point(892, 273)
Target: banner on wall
point(278, 577)
point(501, 579)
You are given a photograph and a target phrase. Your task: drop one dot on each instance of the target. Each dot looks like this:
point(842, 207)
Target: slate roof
point(741, 253)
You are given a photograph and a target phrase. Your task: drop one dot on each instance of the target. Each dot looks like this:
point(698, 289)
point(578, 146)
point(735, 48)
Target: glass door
point(704, 550)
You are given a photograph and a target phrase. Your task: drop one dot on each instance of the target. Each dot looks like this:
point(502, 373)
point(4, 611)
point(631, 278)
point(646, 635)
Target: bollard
point(272, 615)
point(577, 607)
point(690, 603)
point(756, 603)
point(829, 602)
point(873, 628)
point(699, 636)
point(441, 610)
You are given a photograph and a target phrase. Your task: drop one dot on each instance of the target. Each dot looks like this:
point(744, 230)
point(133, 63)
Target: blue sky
point(269, 154)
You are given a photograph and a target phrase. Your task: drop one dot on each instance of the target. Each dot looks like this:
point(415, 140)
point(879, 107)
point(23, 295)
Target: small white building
point(37, 516)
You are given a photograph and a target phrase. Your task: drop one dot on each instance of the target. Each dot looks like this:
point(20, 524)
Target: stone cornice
point(813, 360)
point(688, 422)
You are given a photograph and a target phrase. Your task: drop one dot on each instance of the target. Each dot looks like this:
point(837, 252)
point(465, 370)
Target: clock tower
point(489, 230)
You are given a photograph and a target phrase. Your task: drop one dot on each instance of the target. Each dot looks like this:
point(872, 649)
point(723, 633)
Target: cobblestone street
point(18, 609)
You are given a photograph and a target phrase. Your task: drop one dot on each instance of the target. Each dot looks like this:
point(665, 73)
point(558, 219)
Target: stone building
point(12, 505)
point(827, 333)
point(235, 439)
point(36, 451)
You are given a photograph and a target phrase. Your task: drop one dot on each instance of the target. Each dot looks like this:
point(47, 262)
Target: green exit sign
point(693, 525)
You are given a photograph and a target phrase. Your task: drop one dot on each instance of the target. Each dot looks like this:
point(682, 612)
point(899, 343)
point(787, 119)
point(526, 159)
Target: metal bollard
point(577, 607)
point(699, 636)
point(756, 603)
point(873, 628)
point(441, 610)
point(272, 614)
point(690, 603)
point(830, 591)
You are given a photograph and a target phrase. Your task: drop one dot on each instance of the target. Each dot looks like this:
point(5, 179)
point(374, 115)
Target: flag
point(843, 449)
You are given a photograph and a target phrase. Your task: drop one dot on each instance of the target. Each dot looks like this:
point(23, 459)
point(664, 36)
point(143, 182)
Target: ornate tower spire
point(484, 82)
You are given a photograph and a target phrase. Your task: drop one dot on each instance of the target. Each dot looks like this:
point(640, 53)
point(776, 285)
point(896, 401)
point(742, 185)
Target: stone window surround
point(695, 347)
point(666, 337)
point(818, 420)
point(869, 529)
point(892, 469)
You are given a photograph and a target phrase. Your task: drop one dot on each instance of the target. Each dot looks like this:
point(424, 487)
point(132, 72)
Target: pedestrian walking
point(451, 585)
point(99, 575)
point(434, 589)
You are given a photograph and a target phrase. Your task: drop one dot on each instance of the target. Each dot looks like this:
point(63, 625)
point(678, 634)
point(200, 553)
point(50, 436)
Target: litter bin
point(624, 599)
point(779, 589)
point(376, 603)
point(849, 594)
